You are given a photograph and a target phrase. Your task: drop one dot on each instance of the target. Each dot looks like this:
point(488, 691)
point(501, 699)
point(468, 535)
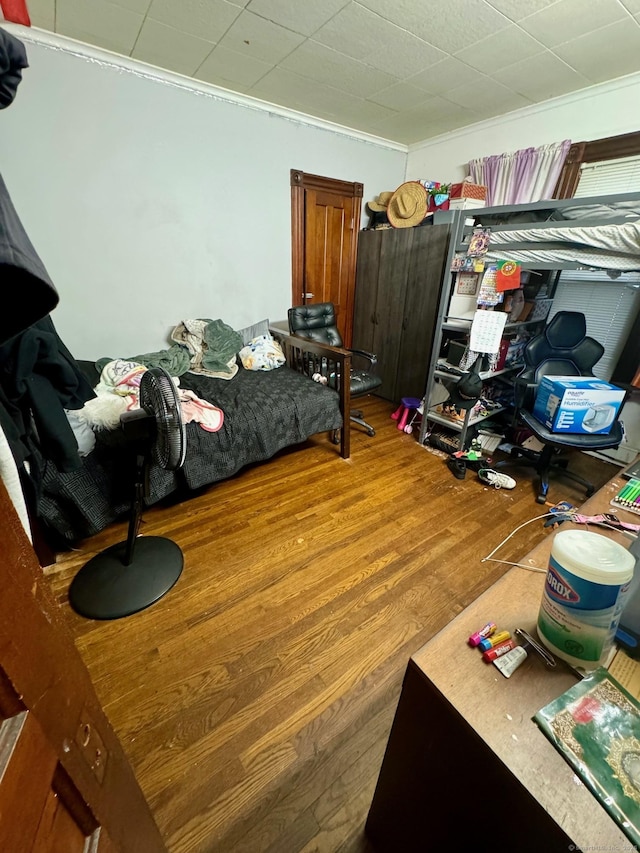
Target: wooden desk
point(465, 764)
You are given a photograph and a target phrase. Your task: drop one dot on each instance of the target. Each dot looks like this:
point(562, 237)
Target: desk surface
point(500, 709)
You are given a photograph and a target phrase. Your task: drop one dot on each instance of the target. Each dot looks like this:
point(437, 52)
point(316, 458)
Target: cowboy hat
point(380, 202)
point(408, 205)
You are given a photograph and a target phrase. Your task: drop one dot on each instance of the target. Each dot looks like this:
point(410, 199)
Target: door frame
point(301, 181)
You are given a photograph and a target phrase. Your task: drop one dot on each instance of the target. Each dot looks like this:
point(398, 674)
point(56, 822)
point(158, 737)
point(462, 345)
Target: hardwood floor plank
point(254, 700)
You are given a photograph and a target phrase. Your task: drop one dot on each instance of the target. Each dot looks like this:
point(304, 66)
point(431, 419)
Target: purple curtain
point(523, 176)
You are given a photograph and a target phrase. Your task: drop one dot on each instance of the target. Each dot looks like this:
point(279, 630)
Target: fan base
point(105, 588)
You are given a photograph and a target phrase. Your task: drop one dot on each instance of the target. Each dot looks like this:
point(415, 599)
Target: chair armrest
point(369, 356)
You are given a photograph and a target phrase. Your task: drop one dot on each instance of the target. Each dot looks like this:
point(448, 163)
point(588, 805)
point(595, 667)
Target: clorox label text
point(559, 589)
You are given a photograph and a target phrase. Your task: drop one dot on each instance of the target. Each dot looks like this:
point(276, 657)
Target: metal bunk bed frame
point(491, 216)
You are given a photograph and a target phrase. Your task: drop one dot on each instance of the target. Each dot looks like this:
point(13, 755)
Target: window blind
point(607, 177)
point(609, 306)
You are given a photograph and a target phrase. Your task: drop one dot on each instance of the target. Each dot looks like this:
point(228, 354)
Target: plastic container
point(583, 597)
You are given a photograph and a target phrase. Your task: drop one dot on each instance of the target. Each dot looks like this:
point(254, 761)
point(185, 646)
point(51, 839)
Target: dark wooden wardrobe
point(399, 278)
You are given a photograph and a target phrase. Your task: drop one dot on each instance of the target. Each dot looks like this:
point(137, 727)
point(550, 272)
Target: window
point(596, 151)
point(598, 168)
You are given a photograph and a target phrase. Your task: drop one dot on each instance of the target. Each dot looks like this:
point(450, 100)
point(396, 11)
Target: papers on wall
point(486, 331)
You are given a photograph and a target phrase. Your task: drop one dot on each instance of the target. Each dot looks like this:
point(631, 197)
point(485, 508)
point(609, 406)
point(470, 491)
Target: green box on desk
point(577, 404)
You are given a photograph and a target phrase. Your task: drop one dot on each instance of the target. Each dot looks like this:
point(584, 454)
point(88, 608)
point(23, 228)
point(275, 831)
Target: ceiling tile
point(303, 18)
point(605, 54)
point(141, 6)
point(515, 10)
point(449, 25)
point(206, 19)
point(541, 77)
point(415, 125)
point(500, 49)
point(168, 48)
point(568, 19)
point(43, 14)
point(227, 68)
point(98, 22)
point(444, 76)
point(379, 43)
point(362, 112)
point(308, 96)
point(485, 93)
point(400, 96)
point(319, 63)
point(260, 39)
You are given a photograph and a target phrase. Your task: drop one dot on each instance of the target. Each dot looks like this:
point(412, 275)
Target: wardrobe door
point(425, 276)
point(367, 270)
point(395, 254)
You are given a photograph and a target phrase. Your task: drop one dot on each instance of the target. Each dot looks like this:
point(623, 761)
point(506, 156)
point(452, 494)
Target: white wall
point(151, 200)
point(607, 109)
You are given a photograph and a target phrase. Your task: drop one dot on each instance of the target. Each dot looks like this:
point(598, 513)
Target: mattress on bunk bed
point(615, 246)
point(613, 210)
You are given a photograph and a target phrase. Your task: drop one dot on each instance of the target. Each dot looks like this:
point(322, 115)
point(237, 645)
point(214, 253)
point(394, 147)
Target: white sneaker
point(496, 479)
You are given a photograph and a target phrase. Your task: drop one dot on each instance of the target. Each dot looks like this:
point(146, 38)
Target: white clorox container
point(583, 597)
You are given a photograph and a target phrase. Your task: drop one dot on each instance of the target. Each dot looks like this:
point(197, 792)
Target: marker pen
point(486, 631)
point(626, 490)
point(499, 650)
point(492, 641)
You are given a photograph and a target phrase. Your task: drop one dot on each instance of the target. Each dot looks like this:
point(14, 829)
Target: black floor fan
point(132, 575)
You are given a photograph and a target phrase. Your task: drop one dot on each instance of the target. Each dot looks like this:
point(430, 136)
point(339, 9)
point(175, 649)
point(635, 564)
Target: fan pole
point(136, 514)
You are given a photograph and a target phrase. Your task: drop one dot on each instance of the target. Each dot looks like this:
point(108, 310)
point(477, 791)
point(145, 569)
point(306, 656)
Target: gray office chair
point(561, 349)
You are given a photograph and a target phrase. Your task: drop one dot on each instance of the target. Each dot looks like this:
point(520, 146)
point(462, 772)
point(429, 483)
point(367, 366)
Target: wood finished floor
point(254, 701)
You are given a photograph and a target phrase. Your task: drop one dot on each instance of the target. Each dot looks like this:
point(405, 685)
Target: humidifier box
point(577, 404)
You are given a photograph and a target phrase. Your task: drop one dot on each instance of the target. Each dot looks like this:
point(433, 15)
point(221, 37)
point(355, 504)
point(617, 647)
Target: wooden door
point(425, 277)
point(324, 229)
point(65, 783)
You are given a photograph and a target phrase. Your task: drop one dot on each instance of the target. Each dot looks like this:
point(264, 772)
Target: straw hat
point(381, 202)
point(408, 205)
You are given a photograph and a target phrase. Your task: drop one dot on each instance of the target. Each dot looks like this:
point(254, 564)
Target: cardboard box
point(577, 404)
point(468, 190)
point(466, 203)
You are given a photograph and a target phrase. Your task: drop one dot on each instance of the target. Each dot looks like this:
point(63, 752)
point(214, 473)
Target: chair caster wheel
point(590, 492)
point(541, 499)
point(335, 437)
point(371, 433)
point(408, 429)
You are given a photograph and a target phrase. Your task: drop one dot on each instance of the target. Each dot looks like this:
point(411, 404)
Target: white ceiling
point(404, 70)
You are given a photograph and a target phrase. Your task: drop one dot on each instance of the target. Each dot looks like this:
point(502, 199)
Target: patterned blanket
point(264, 412)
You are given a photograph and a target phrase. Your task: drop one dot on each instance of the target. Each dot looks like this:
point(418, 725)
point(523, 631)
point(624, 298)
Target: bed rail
point(334, 363)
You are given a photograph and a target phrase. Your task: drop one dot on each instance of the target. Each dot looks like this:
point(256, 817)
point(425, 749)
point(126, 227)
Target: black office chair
point(317, 322)
point(561, 349)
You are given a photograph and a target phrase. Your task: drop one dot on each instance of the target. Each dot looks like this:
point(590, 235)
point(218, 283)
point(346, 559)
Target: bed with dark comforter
point(264, 412)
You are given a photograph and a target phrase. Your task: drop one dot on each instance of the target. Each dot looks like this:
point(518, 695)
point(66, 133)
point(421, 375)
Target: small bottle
point(492, 641)
point(499, 650)
point(486, 631)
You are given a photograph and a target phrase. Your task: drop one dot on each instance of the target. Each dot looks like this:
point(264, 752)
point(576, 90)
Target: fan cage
point(159, 397)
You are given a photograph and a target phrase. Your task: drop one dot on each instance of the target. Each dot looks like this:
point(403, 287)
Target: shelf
point(454, 324)
point(484, 374)
point(439, 418)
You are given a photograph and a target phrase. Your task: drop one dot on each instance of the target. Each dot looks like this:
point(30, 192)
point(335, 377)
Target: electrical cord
point(491, 558)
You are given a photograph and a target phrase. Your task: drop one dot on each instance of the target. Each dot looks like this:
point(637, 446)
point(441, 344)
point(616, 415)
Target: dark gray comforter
point(264, 412)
